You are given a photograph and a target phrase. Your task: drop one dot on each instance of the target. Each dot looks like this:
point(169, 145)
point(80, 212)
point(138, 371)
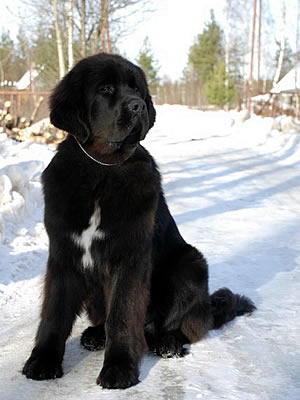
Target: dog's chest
point(85, 239)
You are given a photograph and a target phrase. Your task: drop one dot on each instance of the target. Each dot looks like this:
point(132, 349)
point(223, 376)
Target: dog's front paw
point(41, 366)
point(114, 376)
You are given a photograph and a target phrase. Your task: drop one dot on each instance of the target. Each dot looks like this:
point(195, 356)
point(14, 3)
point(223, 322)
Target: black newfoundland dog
point(115, 250)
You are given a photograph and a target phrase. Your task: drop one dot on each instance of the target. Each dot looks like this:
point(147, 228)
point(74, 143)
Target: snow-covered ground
point(233, 188)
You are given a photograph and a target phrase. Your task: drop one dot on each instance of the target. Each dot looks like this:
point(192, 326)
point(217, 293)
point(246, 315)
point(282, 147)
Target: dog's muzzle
point(133, 115)
point(132, 139)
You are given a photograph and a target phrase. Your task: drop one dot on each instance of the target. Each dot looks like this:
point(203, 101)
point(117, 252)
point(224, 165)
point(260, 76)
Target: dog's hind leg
point(183, 310)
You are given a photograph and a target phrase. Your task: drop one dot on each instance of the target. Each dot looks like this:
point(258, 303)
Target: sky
point(172, 28)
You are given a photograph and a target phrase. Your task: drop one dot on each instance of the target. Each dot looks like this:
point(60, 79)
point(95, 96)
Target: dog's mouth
point(131, 140)
point(113, 152)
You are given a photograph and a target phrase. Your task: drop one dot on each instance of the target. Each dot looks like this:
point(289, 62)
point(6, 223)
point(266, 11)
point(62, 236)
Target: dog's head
point(105, 103)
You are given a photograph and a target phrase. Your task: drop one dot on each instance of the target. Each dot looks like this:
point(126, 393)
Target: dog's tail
point(227, 305)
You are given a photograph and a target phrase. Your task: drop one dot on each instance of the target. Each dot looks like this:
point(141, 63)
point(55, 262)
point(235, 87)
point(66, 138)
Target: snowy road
point(234, 190)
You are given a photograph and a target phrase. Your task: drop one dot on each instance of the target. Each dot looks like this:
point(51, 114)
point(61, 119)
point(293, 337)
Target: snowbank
point(21, 165)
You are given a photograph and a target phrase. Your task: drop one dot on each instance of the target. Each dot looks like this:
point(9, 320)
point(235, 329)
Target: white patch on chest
point(85, 239)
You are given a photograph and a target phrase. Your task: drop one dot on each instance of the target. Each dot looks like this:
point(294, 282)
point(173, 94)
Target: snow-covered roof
point(24, 82)
point(261, 97)
point(289, 83)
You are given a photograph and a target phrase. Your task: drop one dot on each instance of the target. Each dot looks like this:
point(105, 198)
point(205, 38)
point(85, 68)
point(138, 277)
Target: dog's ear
point(151, 110)
point(67, 106)
point(148, 99)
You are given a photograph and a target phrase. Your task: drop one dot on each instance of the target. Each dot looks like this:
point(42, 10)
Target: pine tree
point(11, 62)
point(206, 50)
point(44, 53)
point(6, 56)
point(217, 92)
point(148, 64)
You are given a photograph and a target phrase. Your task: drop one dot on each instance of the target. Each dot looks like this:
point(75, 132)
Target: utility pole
point(259, 45)
point(297, 62)
point(227, 50)
point(250, 83)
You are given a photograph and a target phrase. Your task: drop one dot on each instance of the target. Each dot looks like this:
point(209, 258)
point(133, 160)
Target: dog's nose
point(136, 106)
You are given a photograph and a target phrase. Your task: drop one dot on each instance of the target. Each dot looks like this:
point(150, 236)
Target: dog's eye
point(107, 89)
point(137, 89)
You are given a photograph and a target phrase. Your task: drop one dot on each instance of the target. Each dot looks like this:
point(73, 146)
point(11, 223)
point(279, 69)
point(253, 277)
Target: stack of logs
point(22, 129)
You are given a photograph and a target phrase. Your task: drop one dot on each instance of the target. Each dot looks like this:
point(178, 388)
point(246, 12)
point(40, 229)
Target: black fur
point(144, 281)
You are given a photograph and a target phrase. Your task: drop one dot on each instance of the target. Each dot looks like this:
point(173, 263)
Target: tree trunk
point(250, 83)
point(259, 46)
point(282, 47)
point(297, 62)
point(99, 32)
point(61, 61)
point(102, 22)
point(1, 72)
point(246, 50)
point(70, 36)
point(105, 39)
point(83, 28)
point(227, 41)
point(264, 88)
point(108, 44)
point(31, 80)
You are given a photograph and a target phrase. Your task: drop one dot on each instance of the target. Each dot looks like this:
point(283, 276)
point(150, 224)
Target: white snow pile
point(233, 188)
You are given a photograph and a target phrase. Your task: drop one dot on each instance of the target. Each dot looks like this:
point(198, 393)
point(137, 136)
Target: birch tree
point(82, 14)
point(75, 29)
point(282, 45)
point(70, 36)
point(101, 36)
point(250, 82)
point(236, 30)
point(108, 14)
point(59, 44)
point(297, 60)
point(227, 43)
point(105, 37)
point(259, 43)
